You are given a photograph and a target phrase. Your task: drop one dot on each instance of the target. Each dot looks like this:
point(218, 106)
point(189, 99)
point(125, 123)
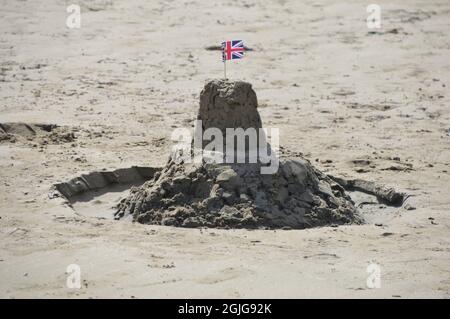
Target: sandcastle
point(237, 195)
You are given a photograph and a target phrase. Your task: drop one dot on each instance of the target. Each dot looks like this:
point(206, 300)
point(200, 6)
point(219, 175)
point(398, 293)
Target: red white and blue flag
point(232, 50)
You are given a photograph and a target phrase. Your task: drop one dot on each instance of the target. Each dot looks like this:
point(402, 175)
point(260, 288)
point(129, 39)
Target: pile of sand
point(237, 195)
point(42, 133)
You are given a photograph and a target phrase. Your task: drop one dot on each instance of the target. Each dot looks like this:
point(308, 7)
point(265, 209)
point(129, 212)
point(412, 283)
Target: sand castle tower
point(225, 104)
point(237, 195)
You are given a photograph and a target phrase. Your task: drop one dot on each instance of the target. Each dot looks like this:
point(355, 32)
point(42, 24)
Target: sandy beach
point(356, 102)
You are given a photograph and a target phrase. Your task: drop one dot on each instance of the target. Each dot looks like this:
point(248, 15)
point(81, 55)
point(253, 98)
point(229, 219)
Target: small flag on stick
point(231, 50)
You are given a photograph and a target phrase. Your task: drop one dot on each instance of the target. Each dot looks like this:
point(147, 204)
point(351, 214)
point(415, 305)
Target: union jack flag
point(232, 50)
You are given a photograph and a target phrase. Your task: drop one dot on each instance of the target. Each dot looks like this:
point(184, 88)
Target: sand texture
point(369, 107)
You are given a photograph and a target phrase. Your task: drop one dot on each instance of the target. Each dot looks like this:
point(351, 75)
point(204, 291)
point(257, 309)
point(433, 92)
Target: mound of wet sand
point(237, 195)
point(46, 133)
point(226, 104)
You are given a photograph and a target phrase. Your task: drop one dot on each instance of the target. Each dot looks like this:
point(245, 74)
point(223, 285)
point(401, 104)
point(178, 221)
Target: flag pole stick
point(225, 68)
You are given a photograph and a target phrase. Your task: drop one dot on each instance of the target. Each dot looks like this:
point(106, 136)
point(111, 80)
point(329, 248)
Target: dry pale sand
point(361, 105)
